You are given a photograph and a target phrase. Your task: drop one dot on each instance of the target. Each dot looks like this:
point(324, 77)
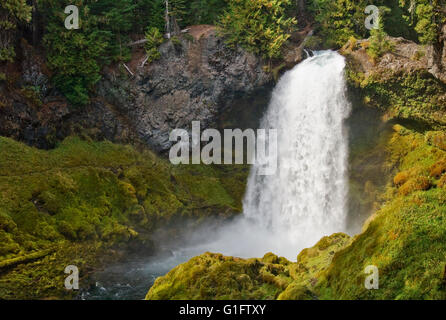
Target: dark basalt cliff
point(196, 79)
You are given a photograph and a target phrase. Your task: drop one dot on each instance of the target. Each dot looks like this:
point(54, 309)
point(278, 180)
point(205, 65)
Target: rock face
point(198, 78)
point(437, 57)
point(33, 111)
point(193, 81)
point(399, 83)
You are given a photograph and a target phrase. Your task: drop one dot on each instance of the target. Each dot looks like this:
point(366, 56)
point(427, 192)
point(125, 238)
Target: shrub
point(12, 14)
point(154, 40)
point(76, 57)
point(260, 26)
point(379, 44)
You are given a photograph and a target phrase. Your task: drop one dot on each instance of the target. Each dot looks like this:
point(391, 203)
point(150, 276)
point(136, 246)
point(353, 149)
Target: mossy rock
point(100, 192)
point(214, 276)
point(415, 95)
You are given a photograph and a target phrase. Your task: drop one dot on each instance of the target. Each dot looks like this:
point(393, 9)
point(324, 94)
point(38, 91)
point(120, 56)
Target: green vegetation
point(430, 16)
point(260, 26)
point(214, 276)
point(416, 95)
point(77, 56)
point(154, 40)
point(98, 194)
point(12, 13)
point(204, 11)
point(405, 239)
point(338, 21)
point(379, 44)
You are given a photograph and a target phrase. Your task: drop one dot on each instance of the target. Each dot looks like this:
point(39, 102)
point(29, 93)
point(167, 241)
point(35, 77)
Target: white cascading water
point(306, 198)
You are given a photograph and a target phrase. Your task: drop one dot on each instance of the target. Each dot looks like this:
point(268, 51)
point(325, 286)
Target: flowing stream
point(304, 200)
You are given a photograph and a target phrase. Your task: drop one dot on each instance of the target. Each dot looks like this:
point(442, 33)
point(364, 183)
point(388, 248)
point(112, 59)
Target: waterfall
point(306, 198)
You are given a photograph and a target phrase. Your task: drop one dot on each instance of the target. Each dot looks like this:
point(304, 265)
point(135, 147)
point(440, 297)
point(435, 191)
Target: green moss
point(109, 194)
point(404, 239)
point(413, 95)
point(214, 276)
point(310, 264)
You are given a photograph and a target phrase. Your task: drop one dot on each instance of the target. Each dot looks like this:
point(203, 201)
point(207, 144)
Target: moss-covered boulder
point(399, 83)
point(310, 265)
point(214, 276)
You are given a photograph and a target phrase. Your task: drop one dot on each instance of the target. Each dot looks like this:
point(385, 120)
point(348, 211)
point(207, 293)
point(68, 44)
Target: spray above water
point(306, 198)
point(302, 202)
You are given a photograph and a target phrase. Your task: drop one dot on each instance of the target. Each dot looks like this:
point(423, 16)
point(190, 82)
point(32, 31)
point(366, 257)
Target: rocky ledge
point(197, 78)
point(401, 82)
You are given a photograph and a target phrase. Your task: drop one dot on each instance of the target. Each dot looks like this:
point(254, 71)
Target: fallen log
point(135, 43)
point(26, 258)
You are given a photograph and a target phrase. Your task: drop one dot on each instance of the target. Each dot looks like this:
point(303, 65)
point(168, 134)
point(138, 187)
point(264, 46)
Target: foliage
point(260, 26)
point(154, 40)
point(148, 13)
point(416, 95)
point(12, 13)
point(379, 44)
point(77, 56)
point(204, 11)
point(430, 17)
point(340, 20)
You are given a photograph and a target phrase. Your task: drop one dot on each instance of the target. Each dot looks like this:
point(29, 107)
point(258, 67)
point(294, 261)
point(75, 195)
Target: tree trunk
point(167, 20)
point(35, 24)
point(437, 59)
point(302, 18)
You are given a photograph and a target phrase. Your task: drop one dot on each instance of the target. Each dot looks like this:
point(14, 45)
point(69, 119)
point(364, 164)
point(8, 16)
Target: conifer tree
point(260, 26)
point(12, 13)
